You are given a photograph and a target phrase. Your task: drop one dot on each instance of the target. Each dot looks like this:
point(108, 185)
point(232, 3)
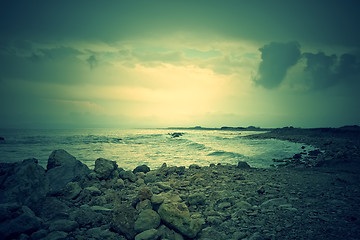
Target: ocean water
point(153, 147)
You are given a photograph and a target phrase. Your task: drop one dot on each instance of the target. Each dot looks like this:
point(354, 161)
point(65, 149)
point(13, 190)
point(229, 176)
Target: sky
point(141, 63)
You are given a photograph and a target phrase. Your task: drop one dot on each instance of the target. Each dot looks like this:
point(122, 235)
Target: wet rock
point(243, 205)
point(63, 225)
point(56, 235)
point(166, 233)
point(194, 166)
point(151, 234)
point(104, 168)
point(177, 216)
point(72, 190)
point(243, 165)
point(100, 233)
point(273, 203)
point(85, 216)
point(63, 168)
point(144, 193)
point(40, 234)
point(24, 182)
point(146, 220)
point(141, 168)
point(123, 220)
point(127, 175)
point(23, 221)
point(51, 208)
point(196, 199)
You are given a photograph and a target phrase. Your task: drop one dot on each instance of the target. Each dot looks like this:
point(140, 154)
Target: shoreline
point(67, 200)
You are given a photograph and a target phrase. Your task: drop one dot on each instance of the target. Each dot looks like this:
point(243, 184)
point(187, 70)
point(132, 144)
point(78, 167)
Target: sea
point(153, 147)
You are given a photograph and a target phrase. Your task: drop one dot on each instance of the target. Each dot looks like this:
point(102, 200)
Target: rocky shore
point(67, 200)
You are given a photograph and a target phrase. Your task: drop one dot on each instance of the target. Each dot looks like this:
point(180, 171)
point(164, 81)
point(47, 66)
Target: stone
point(40, 234)
point(23, 182)
point(151, 234)
point(119, 183)
point(85, 216)
point(141, 168)
point(93, 191)
point(100, 209)
point(142, 205)
point(273, 203)
point(243, 205)
point(146, 220)
point(144, 193)
point(127, 175)
point(243, 165)
point(194, 166)
point(56, 235)
point(99, 233)
point(177, 216)
point(63, 225)
point(72, 190)
point(63, 168)
point(157, 199)
point(123, 220)
point(166, 233)
point(104, 168)
point(196, 199)
point(165, 186)
point(23, 221)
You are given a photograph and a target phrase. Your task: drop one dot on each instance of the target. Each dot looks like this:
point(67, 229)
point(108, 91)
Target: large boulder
point(63, 168)
point(176, 215)
point(104, 168)
point(24, 182)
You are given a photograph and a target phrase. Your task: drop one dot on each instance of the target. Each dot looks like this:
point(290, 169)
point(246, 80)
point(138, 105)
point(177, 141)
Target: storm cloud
point(320, 70)
point(277, 58)
point(323, 71)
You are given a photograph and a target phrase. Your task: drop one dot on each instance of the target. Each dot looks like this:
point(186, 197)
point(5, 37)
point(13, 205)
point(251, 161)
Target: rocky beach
point(313, 195)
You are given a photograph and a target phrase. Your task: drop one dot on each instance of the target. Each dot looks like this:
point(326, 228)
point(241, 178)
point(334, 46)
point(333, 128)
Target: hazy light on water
point(130, 148)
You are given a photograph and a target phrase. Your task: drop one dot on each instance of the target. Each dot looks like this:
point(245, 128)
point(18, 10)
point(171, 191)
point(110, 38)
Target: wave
point(226, 154)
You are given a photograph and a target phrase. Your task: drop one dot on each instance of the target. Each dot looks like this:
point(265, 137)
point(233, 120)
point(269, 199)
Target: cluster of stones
point(70, 201)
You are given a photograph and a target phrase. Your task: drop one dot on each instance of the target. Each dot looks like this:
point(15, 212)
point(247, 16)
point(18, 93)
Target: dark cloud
point(320, 69)
point(92, 61)
point(323, 71)
point(277, 58)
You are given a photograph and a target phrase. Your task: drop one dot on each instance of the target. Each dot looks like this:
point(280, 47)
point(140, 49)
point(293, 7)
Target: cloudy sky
point(268, 63)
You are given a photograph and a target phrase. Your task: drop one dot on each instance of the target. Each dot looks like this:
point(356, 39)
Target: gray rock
point(24, 182)
point(141, 168)
point(166, 233)
point(146, 220)
point(243, 165)
point(63, 168)
point(123, 220)
point(127, 175)
point(85, 216)
point(42, 233)
point(7, 210)
point(63, 225)
point(196, 199)
point(99, 233)
point(56, 235)
point(194, 166)
point(24, 221)
point(177, 216)
point(72, 190)
point(151, 234)
point(104, 168)
point(273, 203)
